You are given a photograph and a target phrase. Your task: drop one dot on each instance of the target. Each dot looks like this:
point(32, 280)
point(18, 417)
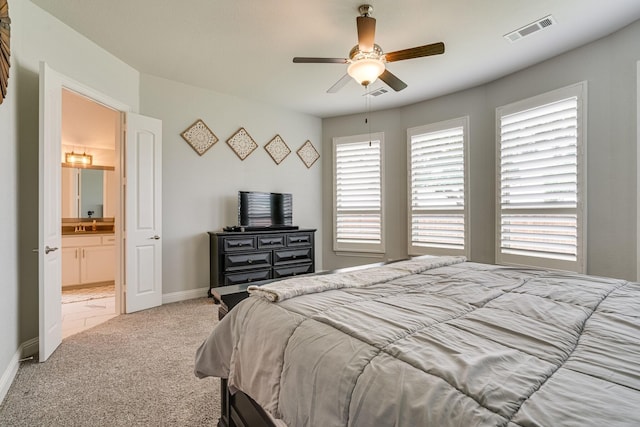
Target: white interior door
point(49, 230)
point(143, 212)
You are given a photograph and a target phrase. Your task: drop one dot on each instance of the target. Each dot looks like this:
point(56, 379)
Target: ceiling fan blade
point(366, 33)
point(392, 81)
point(339, 84)
point(416, 52)
point(305, 60)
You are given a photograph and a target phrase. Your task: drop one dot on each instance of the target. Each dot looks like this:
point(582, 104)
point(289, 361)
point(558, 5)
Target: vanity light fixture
point(81, 159)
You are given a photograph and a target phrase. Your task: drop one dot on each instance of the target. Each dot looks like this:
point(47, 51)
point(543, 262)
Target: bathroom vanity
point(88, 251)
point(88, 258)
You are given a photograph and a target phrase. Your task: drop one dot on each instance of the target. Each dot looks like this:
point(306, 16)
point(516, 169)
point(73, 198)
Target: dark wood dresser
point(236, 258)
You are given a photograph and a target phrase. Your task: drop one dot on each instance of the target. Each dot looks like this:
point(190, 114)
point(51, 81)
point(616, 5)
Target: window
point(540, 174)
point(358, 193)
point(437, 188)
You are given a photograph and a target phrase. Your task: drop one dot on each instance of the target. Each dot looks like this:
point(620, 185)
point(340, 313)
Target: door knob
point(156, 237)
point(47, 249)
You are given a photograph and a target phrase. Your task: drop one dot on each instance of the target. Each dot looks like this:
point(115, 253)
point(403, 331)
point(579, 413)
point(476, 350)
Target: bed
point(434, 341)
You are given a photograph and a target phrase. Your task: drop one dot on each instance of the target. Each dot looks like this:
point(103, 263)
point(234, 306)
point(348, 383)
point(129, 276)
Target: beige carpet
point(70, 295)
point(133, 370)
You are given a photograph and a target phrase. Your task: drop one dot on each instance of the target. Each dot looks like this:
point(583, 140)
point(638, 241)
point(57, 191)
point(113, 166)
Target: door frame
point(123, 108)
point(97, 97)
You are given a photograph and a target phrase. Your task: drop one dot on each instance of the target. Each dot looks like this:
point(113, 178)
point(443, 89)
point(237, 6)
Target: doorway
point(90, 137)
point(138, 172)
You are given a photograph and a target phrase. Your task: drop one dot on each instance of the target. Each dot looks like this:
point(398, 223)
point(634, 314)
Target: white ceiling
point(245, 47)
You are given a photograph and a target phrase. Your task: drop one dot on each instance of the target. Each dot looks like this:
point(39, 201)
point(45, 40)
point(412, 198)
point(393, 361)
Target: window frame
point(354, 248)
point(432, 128)
point(578, 90)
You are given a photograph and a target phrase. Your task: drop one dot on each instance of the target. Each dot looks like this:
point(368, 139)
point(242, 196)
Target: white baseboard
point(9, 374)
point(28, 348)
point(184, 295)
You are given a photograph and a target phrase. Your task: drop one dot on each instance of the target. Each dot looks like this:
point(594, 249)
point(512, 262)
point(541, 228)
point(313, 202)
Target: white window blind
point(540, 183)
point(437, 188)
point(358, 215)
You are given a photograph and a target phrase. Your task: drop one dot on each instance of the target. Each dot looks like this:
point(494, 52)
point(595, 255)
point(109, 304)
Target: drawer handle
point(294, 257)
point(249, 280)
point(238, 245)
point(250, 261)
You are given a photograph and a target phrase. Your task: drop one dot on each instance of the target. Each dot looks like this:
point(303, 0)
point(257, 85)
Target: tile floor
point(81, 315)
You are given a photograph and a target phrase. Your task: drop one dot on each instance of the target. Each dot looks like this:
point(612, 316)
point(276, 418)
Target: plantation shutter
point(437, 185)
point(539, 183)
point(358, 195)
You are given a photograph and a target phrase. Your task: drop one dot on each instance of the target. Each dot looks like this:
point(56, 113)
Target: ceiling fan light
point(365, 71)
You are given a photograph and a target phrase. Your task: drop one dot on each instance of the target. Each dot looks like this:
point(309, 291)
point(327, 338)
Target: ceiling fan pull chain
point(367, 122)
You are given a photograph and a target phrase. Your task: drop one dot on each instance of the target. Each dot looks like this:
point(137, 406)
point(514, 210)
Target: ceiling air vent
point(528, 29)
point(377, 92)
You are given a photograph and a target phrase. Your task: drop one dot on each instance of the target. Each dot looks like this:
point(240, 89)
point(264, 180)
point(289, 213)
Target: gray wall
point(9, 276)
point(200, 192)
point(609, 67)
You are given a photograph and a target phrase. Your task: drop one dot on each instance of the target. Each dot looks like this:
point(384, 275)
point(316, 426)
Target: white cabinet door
point(70, 266)
point(97, 264)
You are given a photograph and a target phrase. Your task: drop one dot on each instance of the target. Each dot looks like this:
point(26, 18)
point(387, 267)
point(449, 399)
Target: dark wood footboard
point(239, 410)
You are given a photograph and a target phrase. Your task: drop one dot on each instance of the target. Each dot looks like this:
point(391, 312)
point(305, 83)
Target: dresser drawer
point(253, 260)
point(270, 242)
point(247, 277)
point(292, 270)
point(299, 239)
point(292, 255)
point(230, 244)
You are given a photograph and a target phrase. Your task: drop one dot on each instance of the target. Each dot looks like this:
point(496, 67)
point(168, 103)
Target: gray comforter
point(438, 344)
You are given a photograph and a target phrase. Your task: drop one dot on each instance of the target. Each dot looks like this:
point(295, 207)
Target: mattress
point(436, 342)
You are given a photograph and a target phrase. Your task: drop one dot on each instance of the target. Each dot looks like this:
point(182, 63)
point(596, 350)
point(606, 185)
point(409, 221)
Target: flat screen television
point(258, 210)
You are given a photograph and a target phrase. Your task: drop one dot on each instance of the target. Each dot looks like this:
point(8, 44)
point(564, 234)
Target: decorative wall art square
point(308, 154)
point(199, 137)
point(242, 144)
point(277, 149)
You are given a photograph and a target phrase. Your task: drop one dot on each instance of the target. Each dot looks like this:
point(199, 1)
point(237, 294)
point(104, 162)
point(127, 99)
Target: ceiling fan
point(367, 60)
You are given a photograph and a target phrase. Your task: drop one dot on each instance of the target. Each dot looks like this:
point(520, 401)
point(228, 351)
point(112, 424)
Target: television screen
point(258, 209)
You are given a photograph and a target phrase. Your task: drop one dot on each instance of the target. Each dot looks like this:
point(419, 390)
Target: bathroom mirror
point(91, 193)
point(88, 193)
